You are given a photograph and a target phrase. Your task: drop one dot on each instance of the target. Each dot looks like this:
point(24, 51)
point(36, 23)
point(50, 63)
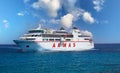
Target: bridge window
point(57, 39)
point(36, 31)
point(51, 39)
point(68, 39)
point(45, 39)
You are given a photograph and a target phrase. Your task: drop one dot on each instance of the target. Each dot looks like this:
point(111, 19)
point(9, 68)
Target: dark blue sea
point(104, 59)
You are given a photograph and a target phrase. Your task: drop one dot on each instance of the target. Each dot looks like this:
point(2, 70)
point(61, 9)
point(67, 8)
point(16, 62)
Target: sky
point(100, 17)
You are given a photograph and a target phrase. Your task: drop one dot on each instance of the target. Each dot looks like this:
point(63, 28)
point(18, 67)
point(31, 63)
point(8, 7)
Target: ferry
point(44, 39)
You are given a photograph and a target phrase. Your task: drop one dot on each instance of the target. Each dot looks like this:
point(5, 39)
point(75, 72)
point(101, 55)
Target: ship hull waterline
point(54, 46)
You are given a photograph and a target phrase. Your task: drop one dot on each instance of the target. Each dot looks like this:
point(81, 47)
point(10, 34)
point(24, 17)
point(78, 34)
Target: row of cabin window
point(51, 39)
point(88, 39)
point(43, 35)
point(48, 35)
point(36, 31)
point(30, 38)
point(55, 39)
point(83, 36)
point(33, 35)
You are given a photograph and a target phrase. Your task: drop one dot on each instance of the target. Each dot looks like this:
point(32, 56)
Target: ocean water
point(104, 59)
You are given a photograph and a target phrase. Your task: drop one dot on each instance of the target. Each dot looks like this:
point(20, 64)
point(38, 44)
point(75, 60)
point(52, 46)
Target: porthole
point(27, 46)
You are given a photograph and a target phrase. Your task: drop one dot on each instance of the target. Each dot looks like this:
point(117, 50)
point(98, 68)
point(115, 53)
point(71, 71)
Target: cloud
point(20, 14)
point(23, 13)
point(42, 21)
point(51, 21)
point(37, 5)
point(102, 22)
point(68, 4)
point(88, 18)
point(26, 1)
point(77, 12)
point(86, 33)
point(52, 6)
point(6, 23)
point(98, 4)
point(54, 21)
point(67, 20)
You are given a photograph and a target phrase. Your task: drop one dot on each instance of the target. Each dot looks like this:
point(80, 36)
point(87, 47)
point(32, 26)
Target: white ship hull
point(54, 46)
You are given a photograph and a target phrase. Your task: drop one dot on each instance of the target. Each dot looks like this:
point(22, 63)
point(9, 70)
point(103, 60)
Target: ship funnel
point(62, 28)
